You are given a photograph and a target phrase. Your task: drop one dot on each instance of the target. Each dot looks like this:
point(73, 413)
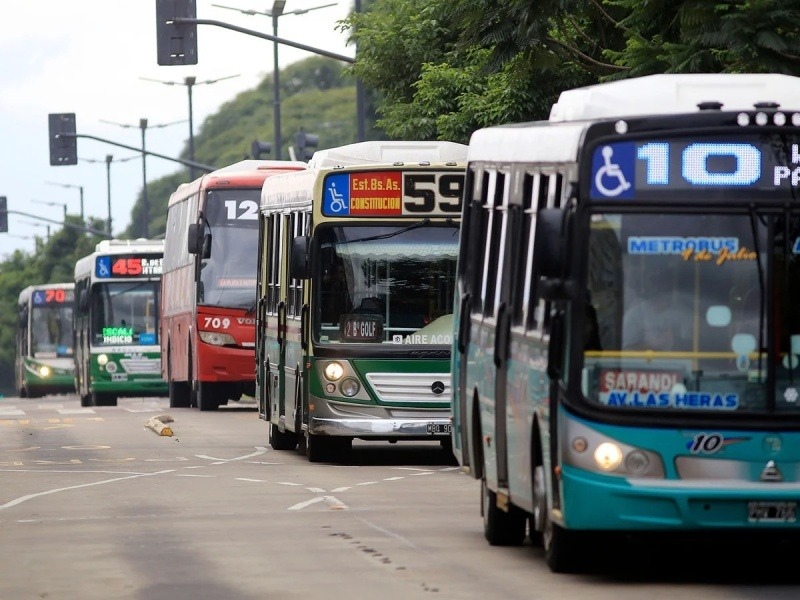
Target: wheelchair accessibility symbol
point(613, 170)
point(103, 267)
point(337, 195)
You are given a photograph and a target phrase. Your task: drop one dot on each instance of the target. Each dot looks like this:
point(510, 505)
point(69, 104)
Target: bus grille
point(410, 387)
point(141, 366)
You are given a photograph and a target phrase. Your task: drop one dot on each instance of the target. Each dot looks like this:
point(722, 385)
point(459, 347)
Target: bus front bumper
point(430, 428)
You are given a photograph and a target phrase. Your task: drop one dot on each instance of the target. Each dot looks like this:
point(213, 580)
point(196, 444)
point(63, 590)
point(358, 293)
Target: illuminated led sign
point(53, 296)
point(128, 265)
point(630, 170)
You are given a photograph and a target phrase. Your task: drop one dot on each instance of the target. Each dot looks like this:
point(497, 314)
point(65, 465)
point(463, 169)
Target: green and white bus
point(627, 349)
point(356, 271)
point(117, 295)
point(44, 363)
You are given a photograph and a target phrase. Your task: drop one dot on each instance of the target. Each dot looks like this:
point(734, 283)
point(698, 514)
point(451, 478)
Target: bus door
point(291, 330)
point(277, 308)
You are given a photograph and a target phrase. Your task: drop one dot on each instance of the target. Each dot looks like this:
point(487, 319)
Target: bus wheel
point(320, 448)
point(501, 528)
point(281, 440)
point(179, 394)
point(101, 399)
point(561, 548)
point(537, 519)
point(86, 400)
point(207, 396)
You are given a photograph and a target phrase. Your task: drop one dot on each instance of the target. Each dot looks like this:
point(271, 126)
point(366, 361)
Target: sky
point(96, 58)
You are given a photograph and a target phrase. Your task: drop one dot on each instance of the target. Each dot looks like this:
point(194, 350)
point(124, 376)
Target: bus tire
point(179, 394)
point(539, 516)
point(561, 549)
point(103, 399)
point(207, 396)
point(281, 440)
point(320, 448)
point(501, 528)
point(86, 400)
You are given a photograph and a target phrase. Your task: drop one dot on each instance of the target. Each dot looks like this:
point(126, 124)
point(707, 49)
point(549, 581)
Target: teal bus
point(355, 288)
point(117, 295)
point(43, 359)
point(626, 315)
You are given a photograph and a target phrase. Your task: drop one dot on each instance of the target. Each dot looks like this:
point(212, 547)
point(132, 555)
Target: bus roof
point(116, 246)
point(558, 139)
point(675, 93)
point(383, 152)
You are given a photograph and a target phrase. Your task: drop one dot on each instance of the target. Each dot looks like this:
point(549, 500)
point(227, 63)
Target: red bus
point(208, 303)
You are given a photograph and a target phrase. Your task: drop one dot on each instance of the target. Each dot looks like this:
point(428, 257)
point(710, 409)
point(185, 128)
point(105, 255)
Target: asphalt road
point(94, 504)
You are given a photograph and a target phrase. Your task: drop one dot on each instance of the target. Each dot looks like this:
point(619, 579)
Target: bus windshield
point(228, 276)
point(125, 313)
point(51, 331)
point(385, 283)
point(693, 313)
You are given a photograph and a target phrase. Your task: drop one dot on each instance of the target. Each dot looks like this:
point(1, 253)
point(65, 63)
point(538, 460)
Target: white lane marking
point(393, 478)
point(59, 405)
point(192, 475)
point(253, 480)
point(333, 502)
point(342, 489)
point(367, 483)
point(221, 461)
point(410, 469)
point(449, 469)
point(288, 483)
point(76, 411)
point(425, 473)
point(22, 499)
point(11, 411)
point(315, 490)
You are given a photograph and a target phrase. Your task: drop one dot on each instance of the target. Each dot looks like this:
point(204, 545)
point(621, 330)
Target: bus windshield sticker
point(392, 193)
point(657, 389)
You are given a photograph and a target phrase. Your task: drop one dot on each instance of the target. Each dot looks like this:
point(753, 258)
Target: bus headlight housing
point(349, 387)
point(102, 359)
point(45, 371)
point(333, 371)
point(215, 338)
point(588, 449)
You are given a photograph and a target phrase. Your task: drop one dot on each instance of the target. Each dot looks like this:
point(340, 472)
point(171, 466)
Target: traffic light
point(63, 141)
point(176, 43)
point(258, 148)
point(305, 145)
point(3, 214)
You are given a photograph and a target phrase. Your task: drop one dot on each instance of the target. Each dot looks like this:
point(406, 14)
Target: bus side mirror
point(194, 237)
point(298, 265)
point(549, 250)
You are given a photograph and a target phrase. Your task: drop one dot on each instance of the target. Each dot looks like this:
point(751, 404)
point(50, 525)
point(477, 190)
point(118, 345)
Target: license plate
point(771, 512)
point(439, 428)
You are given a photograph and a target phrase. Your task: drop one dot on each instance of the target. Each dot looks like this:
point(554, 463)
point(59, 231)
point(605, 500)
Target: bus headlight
point(608, 456)
point(217, 339)
point(44, 371)
point(349, 387)
point(591, 450)
point(102, 359)
point(334, 371)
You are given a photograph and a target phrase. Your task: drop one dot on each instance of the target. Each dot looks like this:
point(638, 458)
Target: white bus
point(117, 292)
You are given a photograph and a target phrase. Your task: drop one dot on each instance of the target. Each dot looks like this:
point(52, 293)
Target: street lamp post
point(145, 200)
point(48, 203)
point(190, 82)
point(275, 12)
point(109, 159)
point(69, 185)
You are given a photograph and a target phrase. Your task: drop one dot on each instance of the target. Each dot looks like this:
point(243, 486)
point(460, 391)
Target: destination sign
point(128, 265)
point(53, 296)
point(631, 170)
point(393, 193)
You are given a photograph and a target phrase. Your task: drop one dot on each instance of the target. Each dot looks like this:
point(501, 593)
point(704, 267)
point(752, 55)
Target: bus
point(208, 297)
point(626, 339)
point(44, 363)
point(355, 290)
point(117, 292)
